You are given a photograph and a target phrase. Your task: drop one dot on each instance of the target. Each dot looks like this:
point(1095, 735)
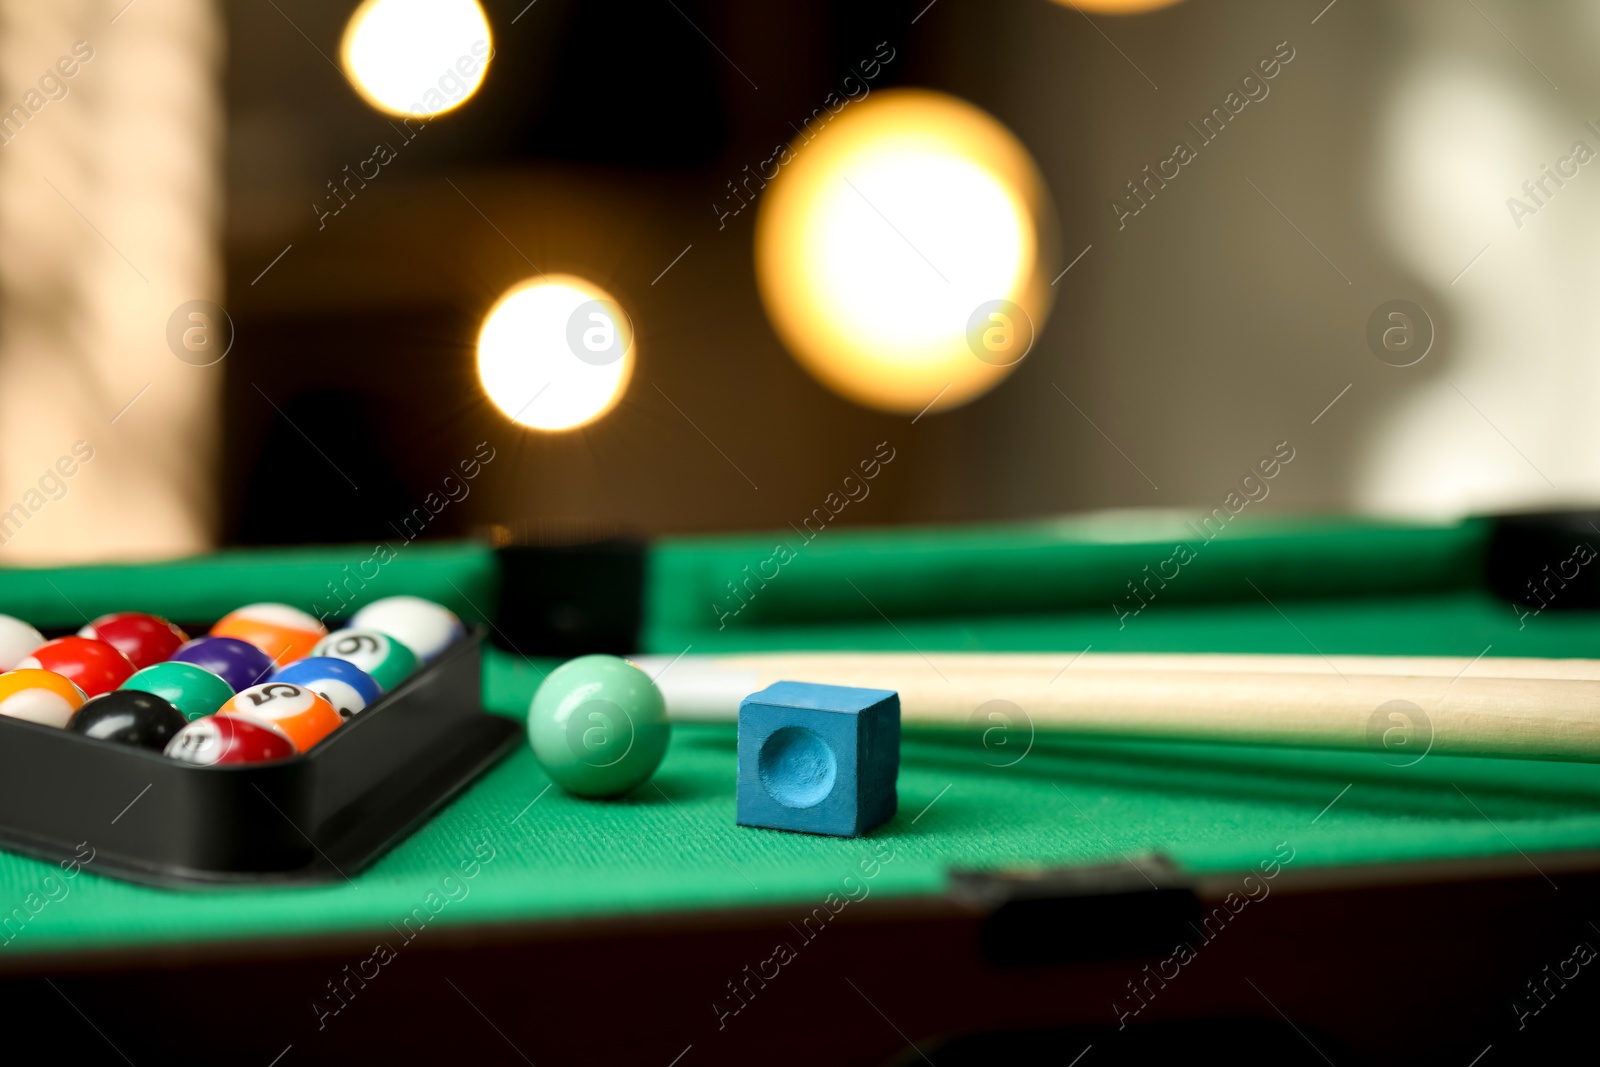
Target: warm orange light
point(417, 57)
point(901, 252)
point(1117, 7)
point(555, 352)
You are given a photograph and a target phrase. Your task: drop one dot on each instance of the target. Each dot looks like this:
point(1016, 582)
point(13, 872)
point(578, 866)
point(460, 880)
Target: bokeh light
point(1117, 7)
point(901, 252)
point(555, 352)
point(417, 57)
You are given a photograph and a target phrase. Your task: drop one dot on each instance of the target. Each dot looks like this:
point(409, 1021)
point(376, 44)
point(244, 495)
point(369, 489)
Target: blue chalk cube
point(818, 758)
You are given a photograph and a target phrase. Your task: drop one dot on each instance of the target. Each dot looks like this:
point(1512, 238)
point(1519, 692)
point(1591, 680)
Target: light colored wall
point(1208, 329)
point(109, 220)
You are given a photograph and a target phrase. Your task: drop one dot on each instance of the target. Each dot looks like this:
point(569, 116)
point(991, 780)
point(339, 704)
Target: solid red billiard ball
point(226, 739)
point(144, 639)
point(93, 666)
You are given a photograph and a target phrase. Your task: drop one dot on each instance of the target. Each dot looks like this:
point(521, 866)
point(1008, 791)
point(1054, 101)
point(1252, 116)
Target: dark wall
point(1190, 342)
point(597, 145)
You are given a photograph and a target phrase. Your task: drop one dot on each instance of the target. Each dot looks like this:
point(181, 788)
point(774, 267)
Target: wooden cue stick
point(1518, 712)
point(1052, 664)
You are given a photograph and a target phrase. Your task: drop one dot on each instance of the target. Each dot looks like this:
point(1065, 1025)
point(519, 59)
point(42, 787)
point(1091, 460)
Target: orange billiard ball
point(298, 713)
point(285, 633)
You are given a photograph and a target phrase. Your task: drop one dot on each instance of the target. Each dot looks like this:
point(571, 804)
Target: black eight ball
point(129, 717)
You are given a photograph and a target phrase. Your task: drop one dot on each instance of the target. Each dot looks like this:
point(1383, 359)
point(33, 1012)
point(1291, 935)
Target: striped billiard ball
point(299, 714)
point(38, 696)
point(388, 661)
point(17, 639)
point(222, 739)
point(285, 633)
point(341, 683)
point(424, 627)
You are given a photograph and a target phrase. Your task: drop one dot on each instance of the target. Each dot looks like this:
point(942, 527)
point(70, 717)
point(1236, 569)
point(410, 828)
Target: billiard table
point(1037, 898)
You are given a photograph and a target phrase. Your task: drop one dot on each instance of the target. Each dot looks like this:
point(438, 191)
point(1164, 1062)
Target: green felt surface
point(673, 845)
point(729, 588)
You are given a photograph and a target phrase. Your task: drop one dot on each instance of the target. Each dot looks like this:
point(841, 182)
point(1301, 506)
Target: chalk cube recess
point(821, 759)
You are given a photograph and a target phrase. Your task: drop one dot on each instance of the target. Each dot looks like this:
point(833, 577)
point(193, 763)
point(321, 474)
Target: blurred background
point(252, 282)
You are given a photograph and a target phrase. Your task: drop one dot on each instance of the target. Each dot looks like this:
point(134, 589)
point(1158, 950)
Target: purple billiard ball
point(238, 663)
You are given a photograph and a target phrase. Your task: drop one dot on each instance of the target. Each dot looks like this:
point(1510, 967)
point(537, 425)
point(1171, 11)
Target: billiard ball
point(144, 639)
point(285, 633)
point(93, 666)
point(341, 683)
point(39, 696)
point(129, 717)
point(387, 661)
point(598, 724)
point(299, 714)
point(236, 662)
point(191, 689)
point(424, 627)
point(17, 639)
point(222, 739)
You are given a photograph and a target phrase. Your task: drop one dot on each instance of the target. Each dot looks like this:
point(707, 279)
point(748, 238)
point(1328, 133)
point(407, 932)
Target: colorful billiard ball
point(424, 627)
point(191, 689)
point(17, 639)
point(224, 739)
point(598, 725)
point(341, 683)
point(285, 633)
point(129, 717)
point(299, 714)
point(239, 663)
point(387, 661)
point(144, 639)
point(93, 666)
point(39, 696)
